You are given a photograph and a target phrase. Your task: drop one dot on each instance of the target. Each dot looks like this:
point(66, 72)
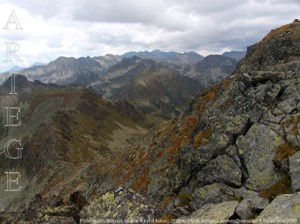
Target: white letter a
point(12, 19)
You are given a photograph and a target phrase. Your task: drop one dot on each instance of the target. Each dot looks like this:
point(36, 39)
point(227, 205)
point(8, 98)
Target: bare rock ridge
point(232, 155)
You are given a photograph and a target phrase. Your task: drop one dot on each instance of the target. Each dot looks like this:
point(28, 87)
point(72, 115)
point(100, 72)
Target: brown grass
point(283, 186)
point(276, 32)
point(285, 151)
point(202, 138)
point(142, 182)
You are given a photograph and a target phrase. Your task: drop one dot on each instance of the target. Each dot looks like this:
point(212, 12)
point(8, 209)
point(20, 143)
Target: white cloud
point(90, 27)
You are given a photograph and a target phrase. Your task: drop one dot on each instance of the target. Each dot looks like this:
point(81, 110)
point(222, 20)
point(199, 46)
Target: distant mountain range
point(157, 83)
point(171, 57)
point(212, 69)
point(237, 55)
point(152, 87)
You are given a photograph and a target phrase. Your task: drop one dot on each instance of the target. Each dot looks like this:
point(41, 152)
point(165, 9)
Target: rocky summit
point(231, 156)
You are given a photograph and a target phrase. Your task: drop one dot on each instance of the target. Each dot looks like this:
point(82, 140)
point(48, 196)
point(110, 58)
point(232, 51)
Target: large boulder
point(258, 149)
point(213, 193)
point(123, 204)
point(250, 206)
point(284, 208)
point(218, 213)
point(222, 169)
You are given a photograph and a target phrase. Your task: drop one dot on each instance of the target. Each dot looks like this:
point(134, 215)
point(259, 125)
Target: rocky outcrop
point(251, 204)
point(258, 149)
point(219, 213)
point(223, 169)
point(214, 193)
point(123, 205)
point(283, 209)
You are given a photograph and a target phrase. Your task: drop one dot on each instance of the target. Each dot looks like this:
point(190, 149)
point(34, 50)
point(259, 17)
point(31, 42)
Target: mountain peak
point(279, 47)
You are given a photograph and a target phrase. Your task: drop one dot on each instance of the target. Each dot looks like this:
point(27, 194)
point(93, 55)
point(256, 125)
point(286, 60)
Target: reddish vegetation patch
point(164, 203)
point(161, 169)
point(162, 207)
point(202, 138)
point(283, 186)
point(136, 164)
point(182, 138)
point(152, 145)
point(176, 135)
point(285, 151)
point(142, 182)
point(206, 98)
point(276, 32)
point(165, 219)
point(171, 160)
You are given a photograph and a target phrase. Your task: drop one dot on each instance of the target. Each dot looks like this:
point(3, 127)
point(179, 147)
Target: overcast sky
point(97, 27)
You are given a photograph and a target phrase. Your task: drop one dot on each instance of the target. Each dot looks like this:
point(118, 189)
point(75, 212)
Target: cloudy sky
point(53, 28)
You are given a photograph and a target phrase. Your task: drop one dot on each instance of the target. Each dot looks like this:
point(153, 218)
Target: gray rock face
point(222, 169)
point(284, 208)
point(292, 129)
point(294, 162)
point(219, 213)
point(244, 210)
point(214, 193)
point(251, 205)
point(124, 204)
point(258, 149)
point(236, 125)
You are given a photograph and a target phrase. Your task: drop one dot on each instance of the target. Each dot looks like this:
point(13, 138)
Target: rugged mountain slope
point(65, 71)
point(151, 87)
point(237, 55)
point(65, 132)
point(108, 60)
point(187, 58)
point(123, 67)
point(212, 69)
point(236, 149)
